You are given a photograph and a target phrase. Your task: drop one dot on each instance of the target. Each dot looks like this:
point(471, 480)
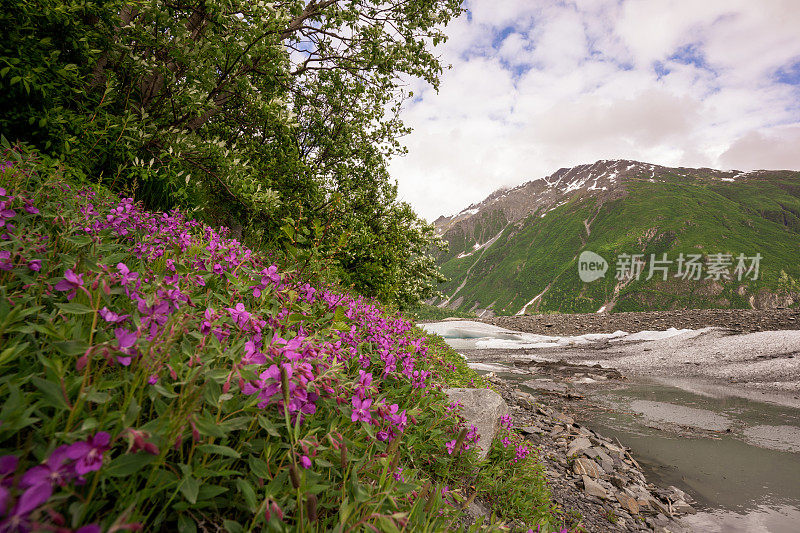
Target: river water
point(738, 457)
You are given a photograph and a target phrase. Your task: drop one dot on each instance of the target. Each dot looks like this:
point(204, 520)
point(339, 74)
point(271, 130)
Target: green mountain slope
point(502, 264)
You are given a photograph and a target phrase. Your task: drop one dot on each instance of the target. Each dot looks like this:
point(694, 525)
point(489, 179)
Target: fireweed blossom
point(71, 282)
point(361, 410)
point(66, 464)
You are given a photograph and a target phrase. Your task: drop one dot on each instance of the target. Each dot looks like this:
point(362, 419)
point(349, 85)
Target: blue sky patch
point(789, 74)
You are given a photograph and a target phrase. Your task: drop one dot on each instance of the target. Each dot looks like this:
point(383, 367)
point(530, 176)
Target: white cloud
point(539, 85)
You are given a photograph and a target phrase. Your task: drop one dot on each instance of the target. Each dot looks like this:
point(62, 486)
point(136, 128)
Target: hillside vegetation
point(156, 374)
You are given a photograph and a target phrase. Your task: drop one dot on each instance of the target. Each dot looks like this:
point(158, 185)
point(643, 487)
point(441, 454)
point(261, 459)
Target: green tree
point(245, 112)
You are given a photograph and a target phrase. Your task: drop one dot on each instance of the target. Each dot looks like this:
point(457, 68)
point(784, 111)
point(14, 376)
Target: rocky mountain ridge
point(603, 179)
point(519, 246)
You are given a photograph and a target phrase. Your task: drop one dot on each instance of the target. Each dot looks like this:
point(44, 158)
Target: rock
point(683, 508)
point(578, 445)
point(618, 481)
point(564, 419)
point(628, 503)
point(477, 509)
point(593, 488)
point(521, 395)
point(532, 430)
point(481, 408)
point(584, 466)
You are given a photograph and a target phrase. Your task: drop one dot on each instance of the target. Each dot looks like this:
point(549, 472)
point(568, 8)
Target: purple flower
point(35, 265)
point(451, 446)
point(55, 471)
point(88, 455)
point(71, 282)
point(5, 496)
point(127, 275)
point(239, 314)
point(30, 208)
point(5, 261)
point(18, 517)
point(111, 316)
point(8, 464)
point(361, 410)
point(305, 461)
point(153, 379)
point(5, 214)
point(125, 338)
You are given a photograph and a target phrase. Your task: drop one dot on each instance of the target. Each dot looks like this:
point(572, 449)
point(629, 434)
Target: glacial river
point(742, 467)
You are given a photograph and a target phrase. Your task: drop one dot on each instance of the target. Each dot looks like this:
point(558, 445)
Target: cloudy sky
point(536, 85)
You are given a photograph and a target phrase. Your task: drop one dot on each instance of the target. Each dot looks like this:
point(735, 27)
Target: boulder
point(483, 409)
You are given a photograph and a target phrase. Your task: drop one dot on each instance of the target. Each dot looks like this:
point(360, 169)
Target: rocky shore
point(735, 320)
point(589, 473)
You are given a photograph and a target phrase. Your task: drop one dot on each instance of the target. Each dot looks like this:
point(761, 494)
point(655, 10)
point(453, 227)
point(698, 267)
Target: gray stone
point(683, 508)
point(481, 408)
point(584, 466)
point(578, 445)
point(564, 419)
point(618, 481)
point(593, 488)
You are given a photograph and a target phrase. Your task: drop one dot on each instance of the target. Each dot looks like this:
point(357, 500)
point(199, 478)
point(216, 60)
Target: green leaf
point(267, 424)
point(232, 526)
point(53, 395)
point(219, 450)
point(75, 309)
point(208, 427)
point(248, 492)
point(128, 464)
point(11, 352)
point(186, 524)
point(258, 467)
point(159, 388)
point(72, 348)
point(190, 488)
point(208, 491)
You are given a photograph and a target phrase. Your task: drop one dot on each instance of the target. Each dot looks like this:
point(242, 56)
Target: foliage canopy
point(247, 113)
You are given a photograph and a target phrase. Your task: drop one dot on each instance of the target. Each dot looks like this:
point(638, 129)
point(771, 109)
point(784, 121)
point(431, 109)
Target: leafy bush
point(246, 113)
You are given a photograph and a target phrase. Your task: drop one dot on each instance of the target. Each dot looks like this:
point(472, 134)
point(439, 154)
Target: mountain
point(518, 250)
